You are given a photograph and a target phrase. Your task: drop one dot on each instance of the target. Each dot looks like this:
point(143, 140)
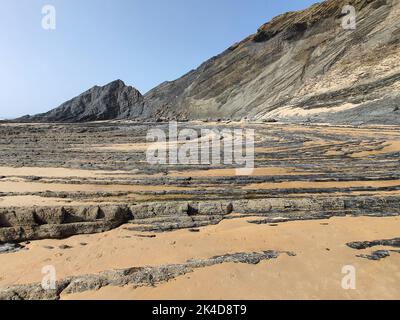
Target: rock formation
point(300, 66)
point(20, 224)
point(112, 101)
point(149, 276)
point(377, 254)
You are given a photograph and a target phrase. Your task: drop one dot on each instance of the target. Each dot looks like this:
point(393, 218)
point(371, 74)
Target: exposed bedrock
point(377, 254)
point(112, 101)
point(300, 66)
point(360, 245)
point(136, 276)
point(21, 224)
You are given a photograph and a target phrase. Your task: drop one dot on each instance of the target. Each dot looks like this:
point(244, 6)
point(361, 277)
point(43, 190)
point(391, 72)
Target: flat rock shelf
point(65, 187)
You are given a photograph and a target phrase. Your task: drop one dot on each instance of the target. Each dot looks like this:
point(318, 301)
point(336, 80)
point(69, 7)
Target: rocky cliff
point(112, 101)
point(300, 66)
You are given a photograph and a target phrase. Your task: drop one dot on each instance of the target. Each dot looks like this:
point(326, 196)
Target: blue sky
point(142, 42)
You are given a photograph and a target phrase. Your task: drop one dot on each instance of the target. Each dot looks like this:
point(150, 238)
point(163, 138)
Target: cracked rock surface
point(60, 180)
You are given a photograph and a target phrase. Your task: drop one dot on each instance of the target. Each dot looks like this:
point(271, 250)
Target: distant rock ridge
point(112, 101)
point(301, 66)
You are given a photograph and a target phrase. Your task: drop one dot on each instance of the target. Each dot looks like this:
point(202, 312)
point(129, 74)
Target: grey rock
point(22, 217)
point(115, 213)
point(10, 247)
point(82, 213)
point(112, 101)
point(64, 247)
point(359, 245)
point(149, 210)
point(22, 224)
point(279, 68)
point(376, 255)
point(272, 73)
point(136, 276)
point(50, 215)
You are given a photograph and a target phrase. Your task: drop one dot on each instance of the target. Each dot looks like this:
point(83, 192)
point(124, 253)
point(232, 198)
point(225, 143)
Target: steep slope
point(301, 66)
point(112, 101)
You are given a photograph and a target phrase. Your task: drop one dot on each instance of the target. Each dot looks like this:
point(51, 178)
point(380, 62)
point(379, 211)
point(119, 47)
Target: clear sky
point(142, 42)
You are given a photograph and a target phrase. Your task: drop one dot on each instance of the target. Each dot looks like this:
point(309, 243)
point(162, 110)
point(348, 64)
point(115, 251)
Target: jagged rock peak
point(114, 100)
point(302, 66)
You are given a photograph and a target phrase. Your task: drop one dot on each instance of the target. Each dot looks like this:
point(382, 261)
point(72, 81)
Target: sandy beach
point(314, 273)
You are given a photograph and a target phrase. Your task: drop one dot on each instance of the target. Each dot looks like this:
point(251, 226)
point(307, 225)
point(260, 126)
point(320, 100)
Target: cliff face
point(301, 66)
point(112, 101)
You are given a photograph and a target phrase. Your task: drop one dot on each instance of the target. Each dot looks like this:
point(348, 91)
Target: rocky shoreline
point(25, 224)
point(137, 276)
point(63, 187)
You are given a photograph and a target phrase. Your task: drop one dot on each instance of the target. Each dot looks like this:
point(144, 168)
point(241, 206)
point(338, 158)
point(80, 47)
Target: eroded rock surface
point(59, 180)
point(10, 247)
point(22, 224)
point(137, 276)
point(112, 101)
point(61, 222)
point(299, 67)
point(377, 254)
point(359, 245)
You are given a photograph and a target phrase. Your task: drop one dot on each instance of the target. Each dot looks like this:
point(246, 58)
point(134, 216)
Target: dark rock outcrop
point(136, 276)
point(377, 254)
point(112, 101)
point(10, 247)
point(359, 245)
point(22, 224)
